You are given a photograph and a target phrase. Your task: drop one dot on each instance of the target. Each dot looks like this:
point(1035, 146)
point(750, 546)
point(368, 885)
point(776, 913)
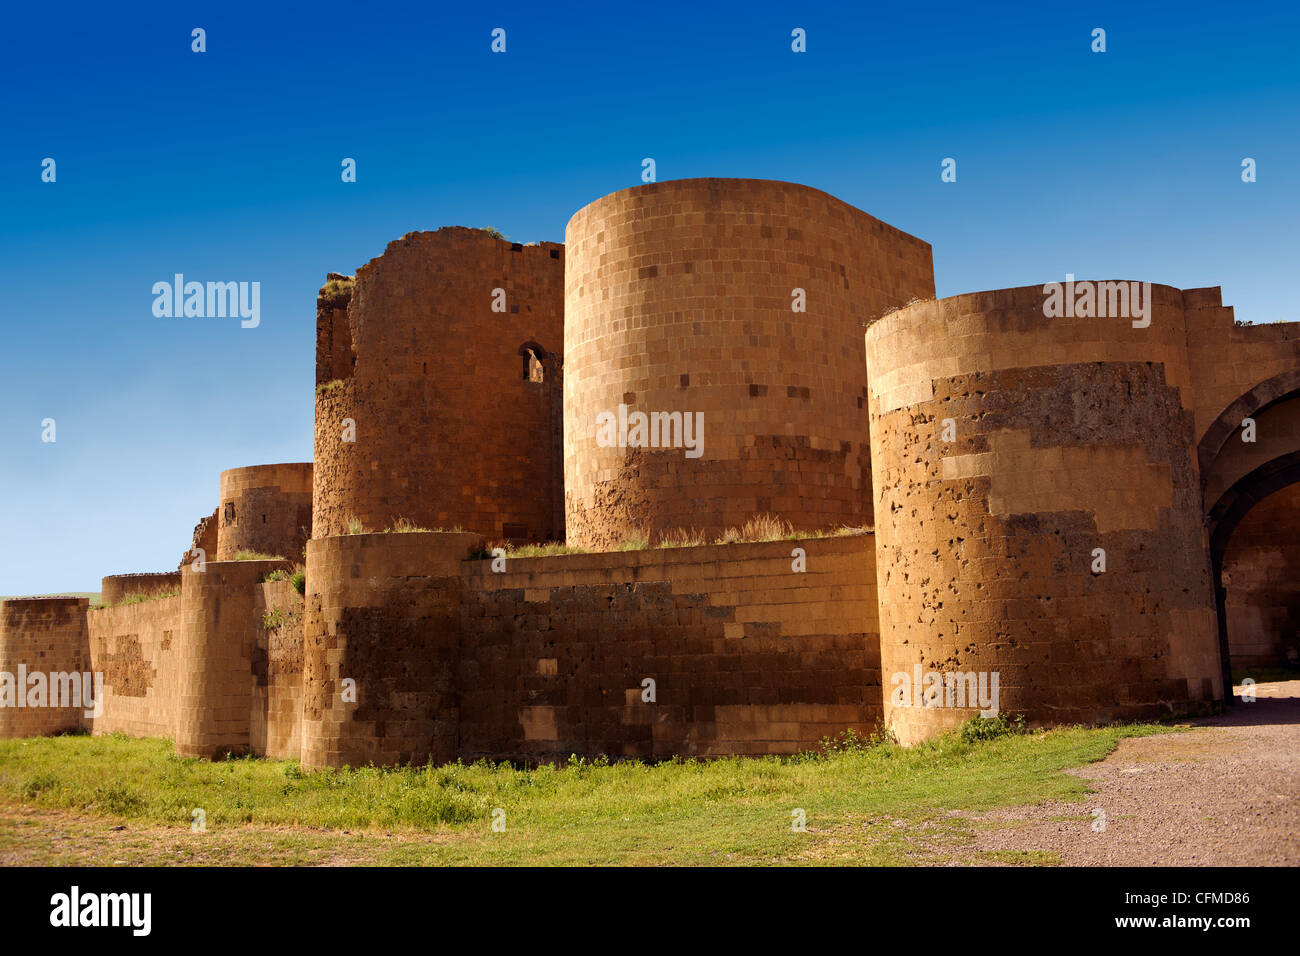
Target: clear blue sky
point(225, 165)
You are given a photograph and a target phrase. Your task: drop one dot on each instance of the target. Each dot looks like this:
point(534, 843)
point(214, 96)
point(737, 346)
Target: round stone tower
point(265, 509)
point(713, 364)
point(1038, 514)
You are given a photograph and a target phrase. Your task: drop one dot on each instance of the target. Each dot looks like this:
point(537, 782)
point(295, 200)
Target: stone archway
point(1281, 387)
point(1225, 516)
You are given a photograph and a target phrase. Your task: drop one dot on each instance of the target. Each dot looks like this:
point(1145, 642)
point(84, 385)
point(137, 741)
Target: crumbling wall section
point(449, 416)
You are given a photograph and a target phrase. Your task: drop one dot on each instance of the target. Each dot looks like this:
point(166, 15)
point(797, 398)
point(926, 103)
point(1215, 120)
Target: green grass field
point(863, 804)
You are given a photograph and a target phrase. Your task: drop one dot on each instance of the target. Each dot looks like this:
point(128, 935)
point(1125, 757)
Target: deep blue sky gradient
point(225, 166)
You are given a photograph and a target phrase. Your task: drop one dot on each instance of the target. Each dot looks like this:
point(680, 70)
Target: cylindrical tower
point(1038, 513)
point(729, 314)
point(222, 622)
point(380, 644)
point(265, 509)
point(116, 588)
point(442, 403)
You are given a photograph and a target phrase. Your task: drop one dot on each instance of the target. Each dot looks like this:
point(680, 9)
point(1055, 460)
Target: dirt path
point(1224, 793)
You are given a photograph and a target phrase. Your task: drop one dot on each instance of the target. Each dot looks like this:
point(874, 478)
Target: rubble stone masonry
point(1063, 446)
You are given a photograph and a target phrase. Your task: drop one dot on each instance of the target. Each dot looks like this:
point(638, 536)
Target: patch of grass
point(257, 556)
point(276, 618)
point(681, 538)
point(494, 233)
point(297, 577)
point(764, 528)
point(545, 550)
point(990, 728)
point(850, 741)
point(332, 386)
point(139, 597)
point(865, 802)
point(336, 287)
point(404, 526)
point(355, 526)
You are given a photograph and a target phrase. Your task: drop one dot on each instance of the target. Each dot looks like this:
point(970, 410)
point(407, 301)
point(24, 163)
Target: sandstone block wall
point(276, 721)
point(334, 356)
point(265, 509)
point(455, 426)
point(115, 588)
point(137, 649)
point(747, 656)
point(547, 658)
point(678, 298)
point(1227, 360)
point(382, 611)
point(221, 625)
point(1068, 437)
point(44, 636)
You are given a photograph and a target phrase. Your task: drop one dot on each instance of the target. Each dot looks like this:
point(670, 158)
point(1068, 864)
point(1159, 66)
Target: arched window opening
point(533, 362)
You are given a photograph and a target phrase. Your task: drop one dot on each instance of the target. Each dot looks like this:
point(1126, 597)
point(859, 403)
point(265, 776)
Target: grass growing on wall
point(139, 598)
point(336, 287)
point(866, 802)
point(757, 529)
point(297, 577)
point(257, 556)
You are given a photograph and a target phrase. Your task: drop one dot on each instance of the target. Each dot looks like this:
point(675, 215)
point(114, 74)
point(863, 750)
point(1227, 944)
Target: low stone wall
point(41, 641)
point(412, 653)
point(135, 647)
point(747, 655)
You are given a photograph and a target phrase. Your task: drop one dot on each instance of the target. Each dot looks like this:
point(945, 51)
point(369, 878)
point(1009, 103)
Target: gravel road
point(1226, 792)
